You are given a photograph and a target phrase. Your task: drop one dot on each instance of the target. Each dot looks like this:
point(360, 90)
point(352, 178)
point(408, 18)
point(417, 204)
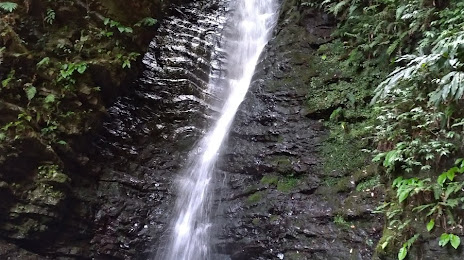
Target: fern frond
point(8, 6)
point(338, 7)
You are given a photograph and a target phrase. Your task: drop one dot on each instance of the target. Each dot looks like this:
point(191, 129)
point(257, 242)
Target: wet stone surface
point(149, 133)
point(271, 200)
point(274, 203)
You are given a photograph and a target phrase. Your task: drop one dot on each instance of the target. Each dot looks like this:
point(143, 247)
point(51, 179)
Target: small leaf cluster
point(432, 202)
point(50, 16)
point(115, 24)
point(446, 238)
point(8, 6)
point(403, 252)
point(147, 21)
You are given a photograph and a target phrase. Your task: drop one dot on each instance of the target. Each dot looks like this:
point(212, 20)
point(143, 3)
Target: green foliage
point(283, 184)
point(418, 107)
point(16, 128)
point(403, 252)
point(126, 60)
point(115, 24)
point(430, 225)
point(446, 238)
point(287, 184)
point(416, 137)
point(106, 33)
point(442, 201)
point(341, 222)
point(409, 187)
point(270, 180)
point(68, 69)
point(380, 28)
point(57, 97)
point(51, 174)
point(30, 92)
point(50, 16)
point(49, 98)
point(441, 68)
point(9, 78)
point(255, 197)
point(340, 87)
point(337, 114)
point(368, 184)
point(43, 62)
point(147, 21)
point(418, 115)
point(8, 6)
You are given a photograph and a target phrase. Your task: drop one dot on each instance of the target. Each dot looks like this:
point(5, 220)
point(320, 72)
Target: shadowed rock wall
point(75, 206)
point(275, 203)
point(149, 133)
point(271, 200)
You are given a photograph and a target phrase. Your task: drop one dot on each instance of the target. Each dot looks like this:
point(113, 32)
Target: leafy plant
point(50, 98)
point(369, 184)
point(50, 128)
point(442, 65)
point(430, 225)
point(43, 62)
point(126, 60)
point(9, 78)
point(446, 238)
point(432, 201)
point(418, 107)
point(49, 16)
point(8, 6)
point(17, 127)
point(409, 187)
point(378, 29)
point(147, 21)
point(68, 69)
point(403, 252)
point(341, 222)
point(121, 28)
point(30, 92)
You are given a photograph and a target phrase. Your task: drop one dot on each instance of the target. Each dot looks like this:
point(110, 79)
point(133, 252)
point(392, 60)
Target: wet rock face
point(149, 133)
point(274, 203)
point(109, 197)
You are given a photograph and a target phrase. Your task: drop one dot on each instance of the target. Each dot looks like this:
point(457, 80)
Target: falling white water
point(252, 23)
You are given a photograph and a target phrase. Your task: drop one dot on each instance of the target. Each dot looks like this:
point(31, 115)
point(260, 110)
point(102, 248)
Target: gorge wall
point(276, 202)
point(109, 192)
point(117, 190)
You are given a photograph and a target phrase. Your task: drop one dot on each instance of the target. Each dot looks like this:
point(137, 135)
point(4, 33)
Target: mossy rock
point(281, 183)
point(255, 197)
point(286, 185)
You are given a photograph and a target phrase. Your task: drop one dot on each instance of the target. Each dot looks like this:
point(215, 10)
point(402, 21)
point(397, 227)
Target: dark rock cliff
point(149, 133)
point(50, 191)
point(112, 194)
point(114, 198)
point(275, 202)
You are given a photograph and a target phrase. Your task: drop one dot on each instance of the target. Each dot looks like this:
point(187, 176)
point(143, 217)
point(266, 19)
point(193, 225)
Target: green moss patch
point(255, 197)
point(281, 183)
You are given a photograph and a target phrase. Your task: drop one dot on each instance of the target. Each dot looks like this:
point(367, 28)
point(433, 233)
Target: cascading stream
point(252, 23)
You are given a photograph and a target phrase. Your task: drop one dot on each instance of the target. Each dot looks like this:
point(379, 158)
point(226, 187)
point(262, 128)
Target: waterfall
point(250, 24)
